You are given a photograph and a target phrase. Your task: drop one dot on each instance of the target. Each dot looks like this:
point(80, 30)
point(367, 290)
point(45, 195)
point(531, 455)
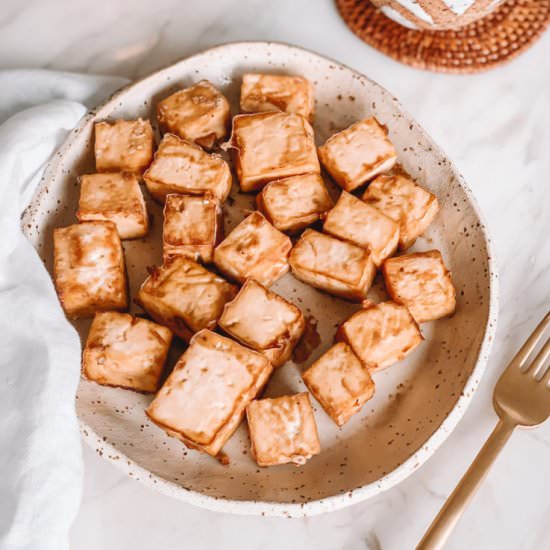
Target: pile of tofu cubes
point(212, 291)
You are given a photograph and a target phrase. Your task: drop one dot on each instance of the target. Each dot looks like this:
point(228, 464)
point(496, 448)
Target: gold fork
point(521, 398)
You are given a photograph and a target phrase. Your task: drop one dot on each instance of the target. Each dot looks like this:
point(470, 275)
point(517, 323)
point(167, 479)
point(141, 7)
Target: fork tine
point(538, 366)
point(522, 355)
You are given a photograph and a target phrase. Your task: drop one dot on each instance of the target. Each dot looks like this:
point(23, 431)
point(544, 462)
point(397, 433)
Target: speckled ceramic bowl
point(418, 402)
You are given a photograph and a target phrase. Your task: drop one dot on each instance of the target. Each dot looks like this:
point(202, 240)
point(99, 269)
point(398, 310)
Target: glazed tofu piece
point(405, 202)
point(114, 197)
point(357, 222)
point(125, 351)
point(332, 265)
point(89, 270)
point(204, 399)
point(123, 146)
point(269, 92)
point(340, 383)
point(293, 203)
point(199, 113)
point(271, 146)
point(192, 226)
point(381, 334)
point(358, 153)
point(184, 296)
point(254, 250)
point(282, 430)
point(421, 282)
point(181, 166)
point(263, 321)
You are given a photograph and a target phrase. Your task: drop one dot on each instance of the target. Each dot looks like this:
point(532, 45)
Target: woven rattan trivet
point(499, 37)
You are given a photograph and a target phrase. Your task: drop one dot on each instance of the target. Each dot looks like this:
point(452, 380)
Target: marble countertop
point(495, 128)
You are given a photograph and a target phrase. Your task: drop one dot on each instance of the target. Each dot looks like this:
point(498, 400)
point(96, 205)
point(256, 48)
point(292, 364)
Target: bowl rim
point(339, 500)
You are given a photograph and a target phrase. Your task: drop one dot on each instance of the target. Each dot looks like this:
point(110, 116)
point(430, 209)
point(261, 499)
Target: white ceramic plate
point(418, 402)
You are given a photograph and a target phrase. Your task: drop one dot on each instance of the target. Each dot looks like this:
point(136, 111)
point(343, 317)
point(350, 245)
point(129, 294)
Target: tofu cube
point(339, 382)
point(405, 202)
point(282, 430)
point(125, 351)
point(204, 399)
point(184, 296)
point(263, 321)
point(89, 270)
point(114, 197)
point(357, 222)
point(199, 113)
point(381, 334)
point(123, 146)
point(358, 153)
point(270, 92)
point(332, 265)
point(421, 282)
point(192, 226)
point(254, 250)
point(293, 203)
point(271, 146)
point(181, 166)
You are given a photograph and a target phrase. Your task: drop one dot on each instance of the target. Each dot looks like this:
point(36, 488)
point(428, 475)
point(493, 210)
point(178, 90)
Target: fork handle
point(454, 507)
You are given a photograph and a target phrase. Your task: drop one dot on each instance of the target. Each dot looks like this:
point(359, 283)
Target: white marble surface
point(494, 126)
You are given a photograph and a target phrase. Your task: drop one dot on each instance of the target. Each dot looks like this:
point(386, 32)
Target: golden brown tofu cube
point(332, 265)
point(358, 153)
point(293, 203)
point(254, 250)
point(355, 221)
point(192, 226)
point(123, 146)
point(184, 296)
point(381, 334)
point(282, 430)
point(114, 197)
point(89, 269)
point(125, 351)
point(405, 202)
point(339, 382)
point(269, 92)
point(421, 282)
point(183, 167)
point(271, 146)
point(199, 113)
point(203, 400)
point(263, 321)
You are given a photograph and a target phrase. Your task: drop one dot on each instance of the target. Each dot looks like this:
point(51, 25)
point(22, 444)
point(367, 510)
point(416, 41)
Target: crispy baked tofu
point(89, 270)
point(421, 282)
point(357, 222)
point(339, 382)
point(199, 113)
point(270, 92)
point(381, 334)
point(282, 430)
point(254, 250)
point(332, 265)
point(184, 296)
point(358, 153)
point(405, 202)
point(181, 166)
point(203, 400)
point(123, 146)
point(114, 197)
point(271, 146)
point(263, 321)
point(126, 351)
point(192, 226)
point(293, 203)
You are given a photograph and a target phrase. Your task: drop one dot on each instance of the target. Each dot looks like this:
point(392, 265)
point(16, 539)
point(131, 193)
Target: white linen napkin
point(40, 454)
